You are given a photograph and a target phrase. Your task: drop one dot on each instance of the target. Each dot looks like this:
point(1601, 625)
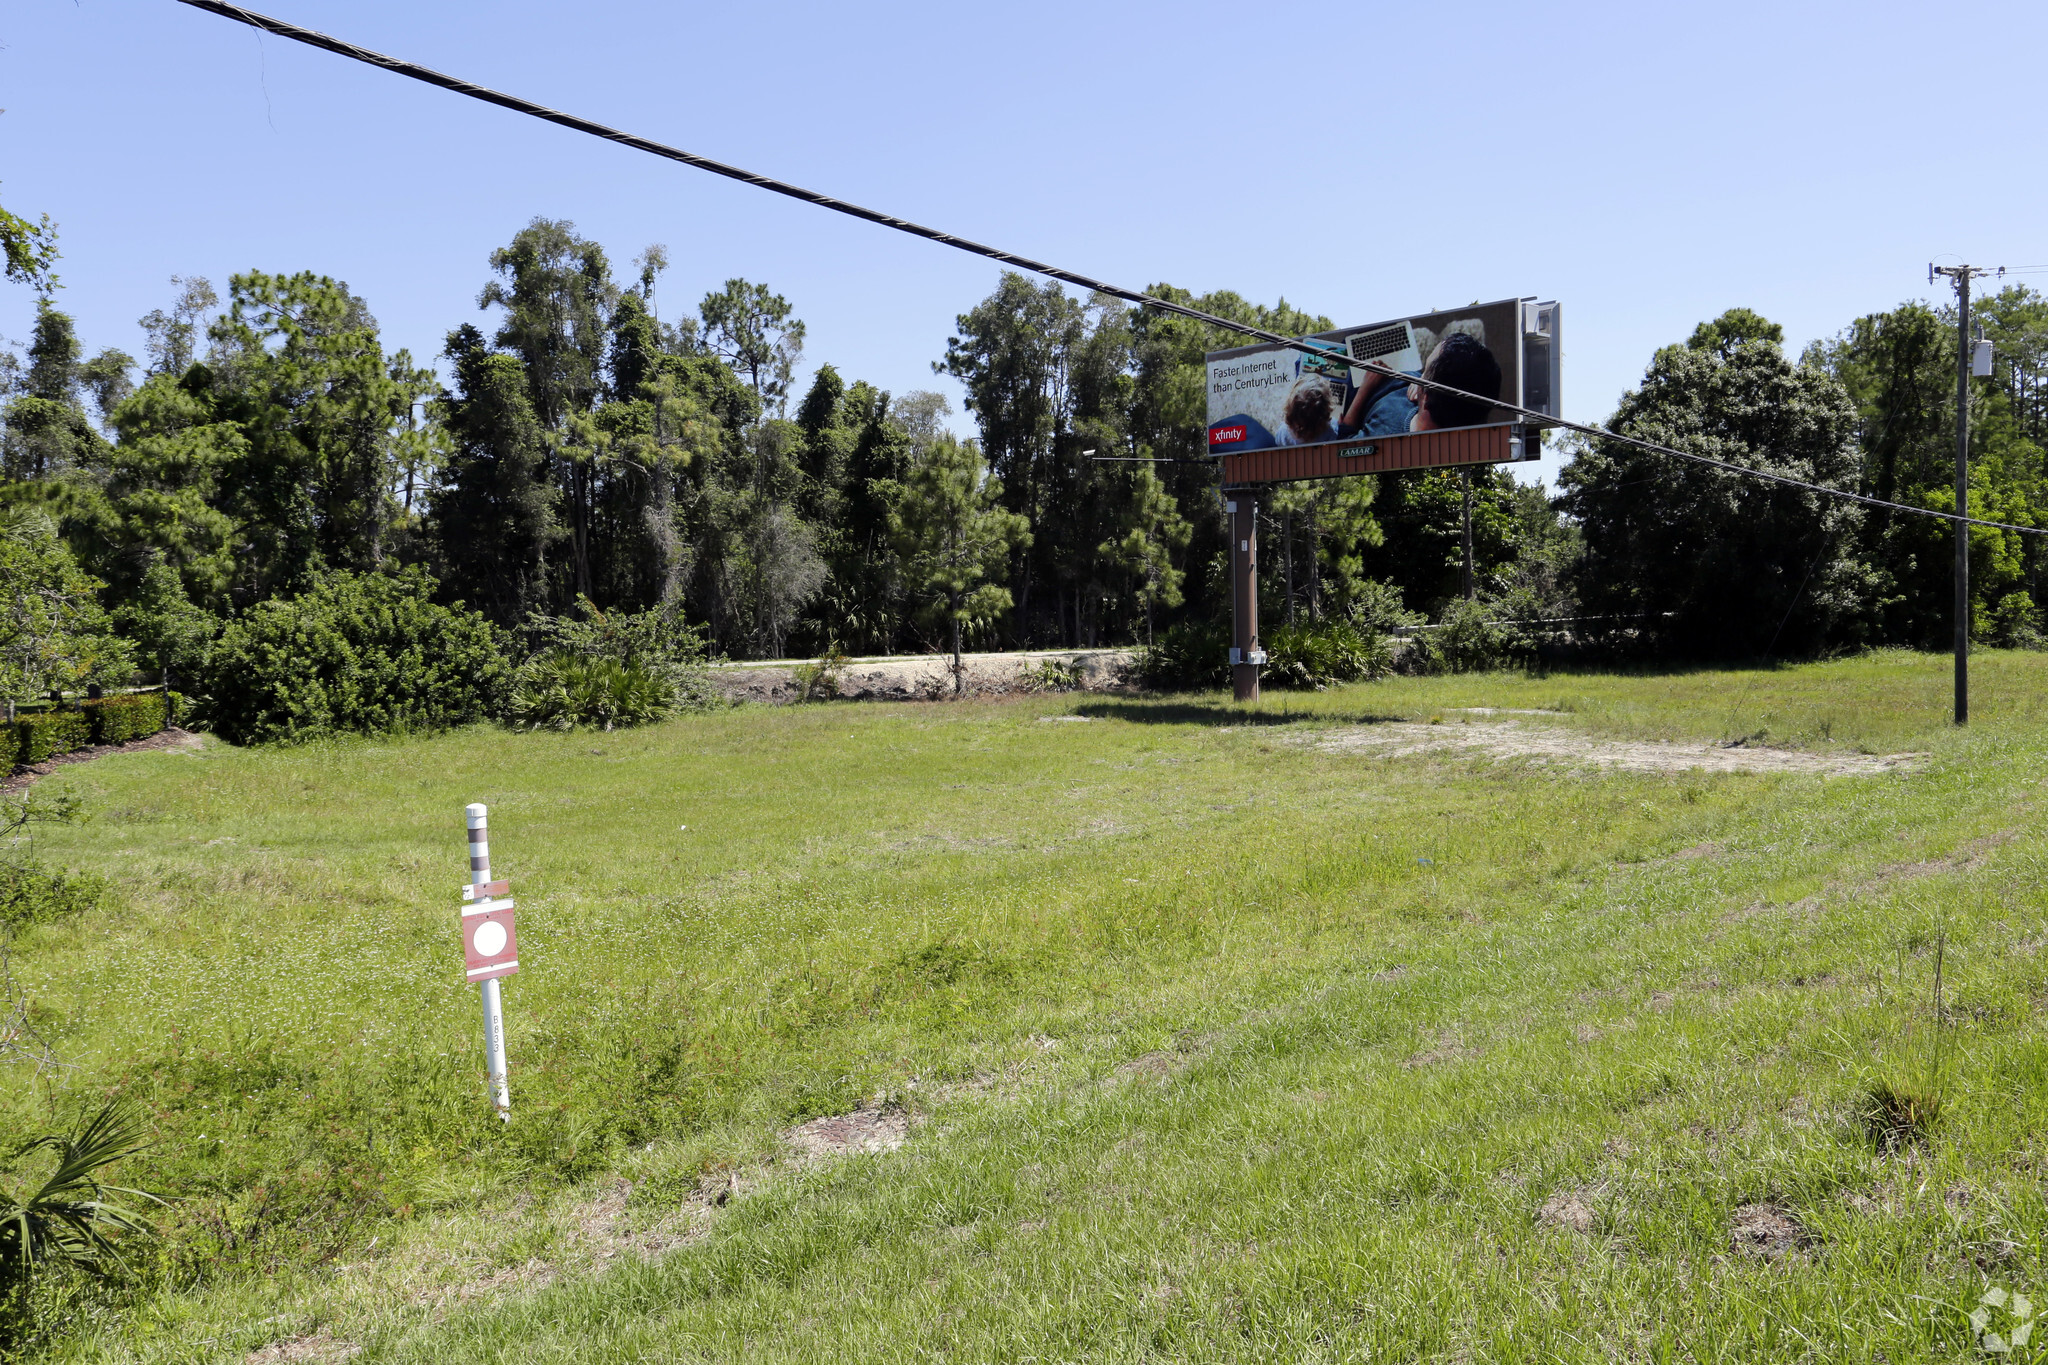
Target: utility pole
point(1960, 276)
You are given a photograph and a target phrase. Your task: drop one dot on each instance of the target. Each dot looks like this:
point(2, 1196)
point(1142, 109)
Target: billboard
point(1267, 396)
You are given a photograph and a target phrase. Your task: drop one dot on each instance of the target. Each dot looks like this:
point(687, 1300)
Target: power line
point(414, 71)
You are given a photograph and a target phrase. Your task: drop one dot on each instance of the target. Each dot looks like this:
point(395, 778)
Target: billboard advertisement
point(1265, 396)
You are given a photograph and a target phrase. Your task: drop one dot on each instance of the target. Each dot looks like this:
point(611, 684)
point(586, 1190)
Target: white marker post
point(489, 951)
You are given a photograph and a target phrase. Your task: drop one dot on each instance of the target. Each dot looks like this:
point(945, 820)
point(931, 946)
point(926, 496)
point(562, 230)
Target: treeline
point(585, 455)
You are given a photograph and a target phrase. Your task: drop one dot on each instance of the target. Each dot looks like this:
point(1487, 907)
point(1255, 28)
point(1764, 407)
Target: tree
point(495, 510)
point(557, 292)
point(1421, 550)
point(1154, 531)
point(752, 328)
point(173, 336)
point(953, 534)
point(1899, 369)
point(1016, 353)
point(53, 632)
point(48, 434)
point(31, 250)
point(298, 369)
point(1691, 561)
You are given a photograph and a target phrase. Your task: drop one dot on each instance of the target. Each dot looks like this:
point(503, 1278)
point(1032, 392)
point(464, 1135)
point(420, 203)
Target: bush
point(2016, 623)
point(116, 720)
point(1315, 654)
point(1190, 657)
point(818, 680)
point(1052, 675)
point(1468, 640)
point(657, 641)
point(41, 735)
point(360, 653)
point(560, 691)
point(31, 894)
point(1375, 606)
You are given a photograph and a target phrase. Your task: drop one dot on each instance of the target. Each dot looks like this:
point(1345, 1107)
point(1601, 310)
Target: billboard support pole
point(1245, 654)
point(1465, 479)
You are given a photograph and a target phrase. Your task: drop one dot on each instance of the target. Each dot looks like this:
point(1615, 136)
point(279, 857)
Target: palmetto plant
point(67, 1220)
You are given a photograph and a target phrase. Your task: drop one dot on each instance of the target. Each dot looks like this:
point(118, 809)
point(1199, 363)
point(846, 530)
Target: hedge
point(37, 736)
point(116, 720)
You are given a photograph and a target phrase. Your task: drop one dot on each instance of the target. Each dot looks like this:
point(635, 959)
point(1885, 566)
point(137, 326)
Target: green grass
point(1222, 1047)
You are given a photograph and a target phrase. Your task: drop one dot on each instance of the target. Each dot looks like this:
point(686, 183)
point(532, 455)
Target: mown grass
point(1291, 1047)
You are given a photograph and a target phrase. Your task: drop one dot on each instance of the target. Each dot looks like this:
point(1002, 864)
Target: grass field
point(1215, 1044)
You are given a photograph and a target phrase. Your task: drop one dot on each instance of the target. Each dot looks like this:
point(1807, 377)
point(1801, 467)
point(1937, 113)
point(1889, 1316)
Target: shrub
point(31, 894)
point(657, 641)
point(116, 720)
point(560, 691)
point(1052, 675)
point(818, 680)
point(1190, 657)
point(2016, 623)
point(66, 1221)
point(362, 653)
point(42, 735)
point(1315, 654)
point(1469, 641)
point(1376, 606)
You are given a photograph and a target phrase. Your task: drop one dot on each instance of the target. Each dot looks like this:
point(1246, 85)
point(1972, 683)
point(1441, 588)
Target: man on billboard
point(1462, 361)
point(1383, 406)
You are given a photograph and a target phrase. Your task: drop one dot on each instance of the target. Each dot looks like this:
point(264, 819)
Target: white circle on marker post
point(489, 939)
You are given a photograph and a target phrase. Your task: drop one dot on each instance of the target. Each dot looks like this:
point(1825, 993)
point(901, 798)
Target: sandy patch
point(1571, 1211)
point(1553, 745)
point(929, 677)
point(864, 1130)
point(319, 1347)
point(1766, 1232)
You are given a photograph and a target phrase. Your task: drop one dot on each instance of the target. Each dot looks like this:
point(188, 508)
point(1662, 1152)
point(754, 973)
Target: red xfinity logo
point(1223, 436)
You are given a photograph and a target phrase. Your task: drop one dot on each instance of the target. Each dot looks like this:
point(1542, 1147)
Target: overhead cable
point(414, 71)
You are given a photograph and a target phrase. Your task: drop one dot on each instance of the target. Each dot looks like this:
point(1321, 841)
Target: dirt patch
point(319, 1347)
point(1447, 1049)
point(172, 739)
point(929, 677)
point(1554, 745)
point(1571, 1210)
point(864, 1130)
point(1766, 1232)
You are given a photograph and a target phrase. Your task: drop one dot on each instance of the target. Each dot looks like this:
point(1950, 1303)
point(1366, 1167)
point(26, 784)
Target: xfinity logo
point(1223, 436)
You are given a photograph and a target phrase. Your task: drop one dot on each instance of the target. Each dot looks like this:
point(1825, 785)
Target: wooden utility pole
point(1961, 275)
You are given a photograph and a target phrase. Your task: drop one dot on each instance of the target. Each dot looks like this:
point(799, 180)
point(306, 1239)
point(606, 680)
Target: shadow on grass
point(1191, 712)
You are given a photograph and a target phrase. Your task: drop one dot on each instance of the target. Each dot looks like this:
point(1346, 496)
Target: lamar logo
point(1223, 436)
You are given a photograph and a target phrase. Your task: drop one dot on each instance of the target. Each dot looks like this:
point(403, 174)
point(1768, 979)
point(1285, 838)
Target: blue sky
point(1648, 165)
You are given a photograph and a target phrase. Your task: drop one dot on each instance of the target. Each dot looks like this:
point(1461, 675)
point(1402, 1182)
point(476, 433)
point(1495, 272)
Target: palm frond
point(70, 1215)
